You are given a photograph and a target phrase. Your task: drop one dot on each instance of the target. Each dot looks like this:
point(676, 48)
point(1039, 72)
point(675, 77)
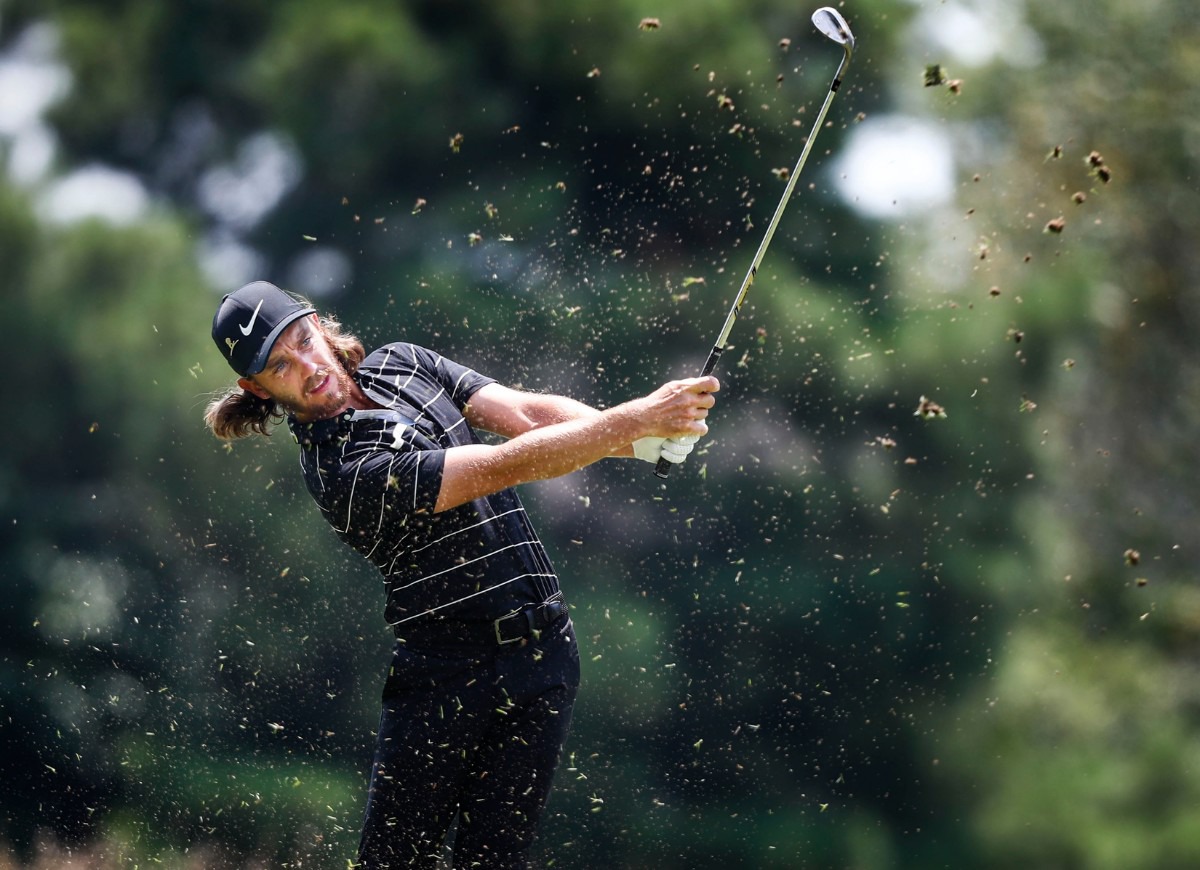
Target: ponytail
point(239, 413)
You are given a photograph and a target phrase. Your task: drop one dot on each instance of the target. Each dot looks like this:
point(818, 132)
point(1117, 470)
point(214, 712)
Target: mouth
point(319, 384)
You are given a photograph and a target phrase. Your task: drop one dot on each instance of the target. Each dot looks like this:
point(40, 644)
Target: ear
point(250, 387)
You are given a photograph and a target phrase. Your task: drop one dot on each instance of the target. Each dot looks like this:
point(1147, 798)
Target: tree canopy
point(924, 598)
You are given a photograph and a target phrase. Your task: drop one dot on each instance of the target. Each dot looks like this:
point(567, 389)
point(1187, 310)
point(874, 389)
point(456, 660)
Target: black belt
point(514, 627)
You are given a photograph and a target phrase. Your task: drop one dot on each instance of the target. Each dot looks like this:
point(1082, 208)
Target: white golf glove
point(674, 450)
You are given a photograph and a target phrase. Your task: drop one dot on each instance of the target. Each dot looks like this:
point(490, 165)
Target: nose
point(309, 364)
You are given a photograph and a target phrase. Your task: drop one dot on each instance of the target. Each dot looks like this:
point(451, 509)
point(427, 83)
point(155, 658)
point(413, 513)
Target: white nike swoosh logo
point(398, 435)
point(253, 317)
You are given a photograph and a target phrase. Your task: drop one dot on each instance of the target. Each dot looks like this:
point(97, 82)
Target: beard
point(328, 402)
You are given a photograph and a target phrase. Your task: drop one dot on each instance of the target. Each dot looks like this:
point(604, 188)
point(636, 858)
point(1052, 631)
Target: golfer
point(478, 699)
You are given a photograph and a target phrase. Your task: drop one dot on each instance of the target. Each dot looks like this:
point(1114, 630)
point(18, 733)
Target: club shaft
point(663, 467)
point(752, 272)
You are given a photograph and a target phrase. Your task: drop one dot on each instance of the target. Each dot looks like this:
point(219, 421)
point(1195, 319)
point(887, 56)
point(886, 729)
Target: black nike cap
point(249, 320)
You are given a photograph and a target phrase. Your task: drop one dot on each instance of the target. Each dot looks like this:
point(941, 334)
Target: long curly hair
point(238, 413)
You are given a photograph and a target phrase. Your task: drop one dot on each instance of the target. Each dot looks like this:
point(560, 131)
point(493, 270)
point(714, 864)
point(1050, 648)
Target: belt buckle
point(500, 641)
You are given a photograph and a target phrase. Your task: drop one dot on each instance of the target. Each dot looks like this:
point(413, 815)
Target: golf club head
point(832, 24)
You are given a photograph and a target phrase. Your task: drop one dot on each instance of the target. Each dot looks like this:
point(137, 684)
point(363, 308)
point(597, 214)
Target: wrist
point(629, 422)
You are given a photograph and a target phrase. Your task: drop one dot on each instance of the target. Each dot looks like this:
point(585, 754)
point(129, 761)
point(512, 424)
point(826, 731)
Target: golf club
point(831, 23)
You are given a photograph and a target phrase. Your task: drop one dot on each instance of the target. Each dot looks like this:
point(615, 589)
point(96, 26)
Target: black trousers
point(476, 732)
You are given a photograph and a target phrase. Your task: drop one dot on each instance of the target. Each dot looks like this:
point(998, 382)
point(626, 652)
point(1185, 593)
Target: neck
point(359, 400)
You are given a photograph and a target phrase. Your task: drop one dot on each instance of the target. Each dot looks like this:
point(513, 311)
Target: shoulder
point(398, 353)
point(403, 355)
point(404, 358)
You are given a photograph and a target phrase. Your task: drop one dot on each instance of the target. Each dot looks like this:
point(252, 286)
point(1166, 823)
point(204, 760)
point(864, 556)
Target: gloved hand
point(674, 450)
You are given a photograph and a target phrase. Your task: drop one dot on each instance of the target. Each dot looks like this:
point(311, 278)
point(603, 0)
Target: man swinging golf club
point(485, 669)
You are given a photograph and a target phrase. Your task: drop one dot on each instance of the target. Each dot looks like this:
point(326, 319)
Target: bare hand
point(679, 408)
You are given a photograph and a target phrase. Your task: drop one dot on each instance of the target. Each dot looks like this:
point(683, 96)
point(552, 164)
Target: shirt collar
point(320, 431)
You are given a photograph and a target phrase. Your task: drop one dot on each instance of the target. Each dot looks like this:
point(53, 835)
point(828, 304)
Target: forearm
point(549, 449)
point(511, 413)
point(538, 448)
point(547, 410)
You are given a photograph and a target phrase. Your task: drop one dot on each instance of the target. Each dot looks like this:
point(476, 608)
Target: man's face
point(302, 374)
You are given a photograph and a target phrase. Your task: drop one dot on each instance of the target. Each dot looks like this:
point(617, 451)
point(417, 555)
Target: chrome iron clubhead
point(830, 22)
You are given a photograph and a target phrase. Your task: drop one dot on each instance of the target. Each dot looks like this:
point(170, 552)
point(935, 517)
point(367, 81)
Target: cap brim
point(260, 361)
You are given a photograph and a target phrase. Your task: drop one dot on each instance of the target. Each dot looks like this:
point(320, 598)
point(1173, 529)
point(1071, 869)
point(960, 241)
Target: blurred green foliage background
point(843, 636)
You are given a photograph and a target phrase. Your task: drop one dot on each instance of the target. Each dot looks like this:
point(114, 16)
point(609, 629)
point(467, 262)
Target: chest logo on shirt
point(398, 435)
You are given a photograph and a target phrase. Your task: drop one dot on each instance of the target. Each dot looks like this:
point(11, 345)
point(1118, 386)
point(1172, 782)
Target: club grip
point(662, 468)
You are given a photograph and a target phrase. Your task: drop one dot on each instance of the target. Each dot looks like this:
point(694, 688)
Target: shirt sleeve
point(387, 492)
point(389, 478)
point(459, 381)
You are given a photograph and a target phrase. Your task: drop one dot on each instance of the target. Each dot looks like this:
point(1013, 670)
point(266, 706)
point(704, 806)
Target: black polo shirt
point(376, 476)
